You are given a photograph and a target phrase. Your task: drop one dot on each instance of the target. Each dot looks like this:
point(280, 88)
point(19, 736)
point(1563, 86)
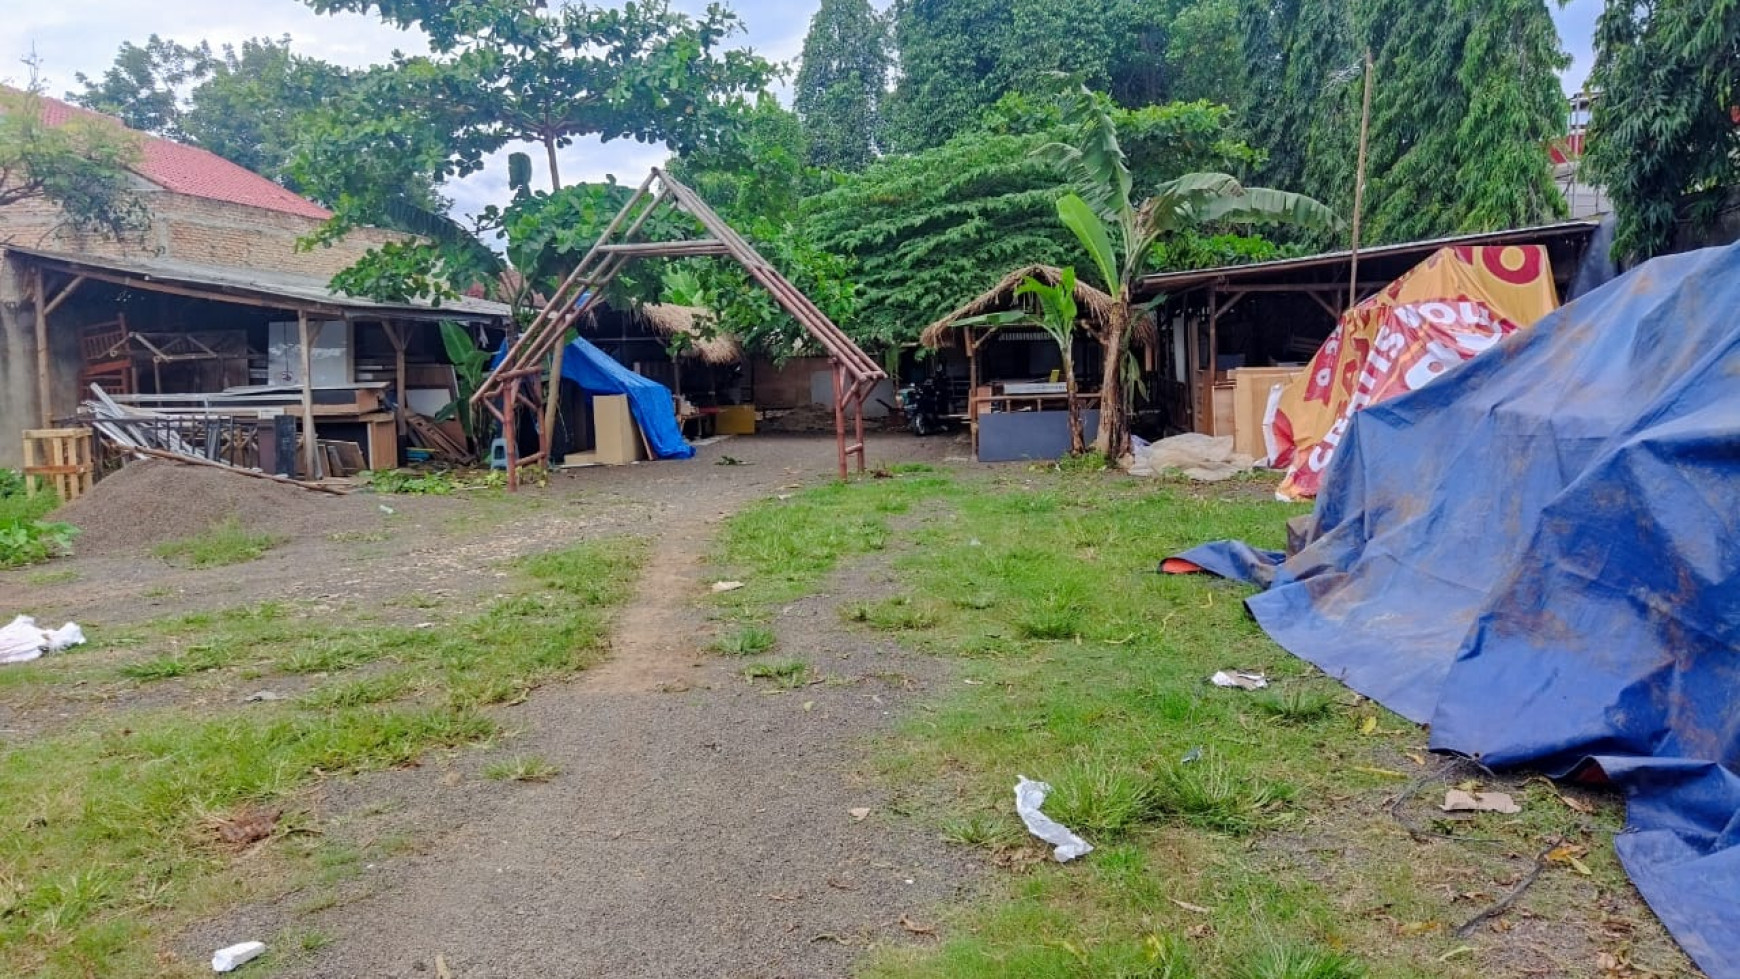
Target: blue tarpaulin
point(596, 372)
point(1539, 554)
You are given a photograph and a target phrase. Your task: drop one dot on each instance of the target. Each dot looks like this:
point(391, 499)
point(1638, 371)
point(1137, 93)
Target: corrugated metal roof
point(192, 171)
point(1173, 281)
point(260, 287)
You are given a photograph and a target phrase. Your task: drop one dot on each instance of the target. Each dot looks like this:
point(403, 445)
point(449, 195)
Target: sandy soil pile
point(150, 502)
point(799, 421)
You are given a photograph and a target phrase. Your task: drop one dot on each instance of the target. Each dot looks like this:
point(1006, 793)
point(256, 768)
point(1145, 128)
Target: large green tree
point(840, 82)
point(79, 167)
point(933, 229)
point(1664, 125)
point(251, 105)
point(509, 71)
point(958, 57)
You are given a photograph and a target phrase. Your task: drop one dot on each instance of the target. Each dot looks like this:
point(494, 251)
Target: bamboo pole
point(310, 443)
point(1359, 184)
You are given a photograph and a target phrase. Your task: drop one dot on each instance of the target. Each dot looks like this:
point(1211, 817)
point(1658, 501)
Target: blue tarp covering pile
point(1539, 554)
point(596, 372)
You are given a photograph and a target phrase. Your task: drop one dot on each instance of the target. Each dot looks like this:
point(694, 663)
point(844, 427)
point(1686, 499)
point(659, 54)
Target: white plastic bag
point(21, 641)
point(1029, 796)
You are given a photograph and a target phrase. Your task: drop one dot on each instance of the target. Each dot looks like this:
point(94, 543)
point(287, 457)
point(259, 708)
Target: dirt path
point(656, 646)
point(701, 825)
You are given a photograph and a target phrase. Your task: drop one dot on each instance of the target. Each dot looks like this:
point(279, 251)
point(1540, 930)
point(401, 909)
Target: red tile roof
point(195, 172)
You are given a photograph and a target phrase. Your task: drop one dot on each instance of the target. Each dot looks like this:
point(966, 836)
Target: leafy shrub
point(26, 541)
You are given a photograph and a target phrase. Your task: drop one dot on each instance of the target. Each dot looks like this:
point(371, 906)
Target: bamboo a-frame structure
point(514, 382)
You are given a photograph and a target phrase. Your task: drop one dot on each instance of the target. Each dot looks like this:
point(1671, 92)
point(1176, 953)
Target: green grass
point(44, 578)
point(223, 543)
point(102, 852)
point(1089, 671)
point(527, 768)
point(26, 535)
point(784, 674)
point(746, 640)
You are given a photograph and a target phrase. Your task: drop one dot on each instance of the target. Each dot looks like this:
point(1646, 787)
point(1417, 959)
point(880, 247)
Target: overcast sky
point(71, 36)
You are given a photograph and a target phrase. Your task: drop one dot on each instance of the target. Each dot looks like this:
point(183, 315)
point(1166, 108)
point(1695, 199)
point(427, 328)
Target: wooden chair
point(108, 358)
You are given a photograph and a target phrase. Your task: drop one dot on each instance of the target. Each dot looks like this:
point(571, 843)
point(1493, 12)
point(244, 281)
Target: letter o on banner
point(1509, 263)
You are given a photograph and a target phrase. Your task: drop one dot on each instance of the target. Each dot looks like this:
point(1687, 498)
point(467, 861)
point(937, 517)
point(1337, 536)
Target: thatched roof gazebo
point(670, 320)
point(1094, 306)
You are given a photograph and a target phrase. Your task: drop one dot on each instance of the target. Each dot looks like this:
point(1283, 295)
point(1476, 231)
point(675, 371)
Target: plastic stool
point(498, 454)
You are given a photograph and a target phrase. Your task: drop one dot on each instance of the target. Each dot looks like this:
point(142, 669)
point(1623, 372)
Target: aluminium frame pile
point(514, 382)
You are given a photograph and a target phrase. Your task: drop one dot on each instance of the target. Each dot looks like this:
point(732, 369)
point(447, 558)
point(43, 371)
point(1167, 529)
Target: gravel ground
point(701, 824)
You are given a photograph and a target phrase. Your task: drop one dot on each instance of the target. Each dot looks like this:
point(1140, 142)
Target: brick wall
point(194, 229)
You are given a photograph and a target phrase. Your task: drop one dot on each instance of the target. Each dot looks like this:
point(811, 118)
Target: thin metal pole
point(1359, 183)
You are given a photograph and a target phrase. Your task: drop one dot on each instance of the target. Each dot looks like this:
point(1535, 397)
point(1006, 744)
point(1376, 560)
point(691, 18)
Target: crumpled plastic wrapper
point(1029, 796)
point(21, 641)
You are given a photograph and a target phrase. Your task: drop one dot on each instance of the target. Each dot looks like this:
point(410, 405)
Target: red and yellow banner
point(1445, 310)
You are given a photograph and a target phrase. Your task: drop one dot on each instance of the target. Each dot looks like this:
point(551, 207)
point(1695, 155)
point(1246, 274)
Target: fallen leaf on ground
point(723, 586)
point(1369, 725)
point(1419, 928)
point(1568, 855)
point(1456, 800)
point(859, 813)
point(916, 928)
point(249, 826)
point(1386, 772)
point(441, 970)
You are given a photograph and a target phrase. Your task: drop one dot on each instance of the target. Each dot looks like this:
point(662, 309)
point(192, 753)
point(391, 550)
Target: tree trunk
point(1077, 438)
point(555, 175)
point(1113, 439)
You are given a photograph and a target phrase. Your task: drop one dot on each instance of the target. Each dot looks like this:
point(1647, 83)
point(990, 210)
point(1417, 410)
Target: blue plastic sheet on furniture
point(1539, 554)
point(596, 372)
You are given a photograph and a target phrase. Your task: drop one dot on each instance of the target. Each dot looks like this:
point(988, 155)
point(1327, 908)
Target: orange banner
point(1445, 310)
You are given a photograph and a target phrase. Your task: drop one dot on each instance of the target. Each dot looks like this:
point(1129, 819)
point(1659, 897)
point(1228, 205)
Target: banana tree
point(1119, 232)
point(1058, 314)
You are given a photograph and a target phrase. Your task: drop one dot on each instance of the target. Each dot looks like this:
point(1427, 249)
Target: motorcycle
point(926, 406)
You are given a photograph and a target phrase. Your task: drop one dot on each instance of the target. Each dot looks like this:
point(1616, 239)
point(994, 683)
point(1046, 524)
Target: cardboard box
point(619, 440)
point(1251, 387)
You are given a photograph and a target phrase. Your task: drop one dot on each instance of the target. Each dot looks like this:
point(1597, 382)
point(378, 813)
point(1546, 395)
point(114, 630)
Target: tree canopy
point(839, 84)
point(80, 166)
point(508, 71)
point(1664, 124)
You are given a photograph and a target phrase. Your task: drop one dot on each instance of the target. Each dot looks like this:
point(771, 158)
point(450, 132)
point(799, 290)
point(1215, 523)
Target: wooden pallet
point(58, 457)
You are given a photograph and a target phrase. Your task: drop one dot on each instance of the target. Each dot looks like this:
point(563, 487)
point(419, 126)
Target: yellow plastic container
point(736, 420)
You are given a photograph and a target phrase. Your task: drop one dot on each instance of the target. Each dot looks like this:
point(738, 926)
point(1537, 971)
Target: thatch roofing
point(1094, 307)
point(691, 321)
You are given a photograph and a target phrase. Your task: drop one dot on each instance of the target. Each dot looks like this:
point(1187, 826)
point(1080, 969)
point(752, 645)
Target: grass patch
point(1089, 671)
point(784, 674)
point(898, 614)
point(46, 578)
point(223, 543)
point(525, 768)
point(103, 850)
point(746, 640)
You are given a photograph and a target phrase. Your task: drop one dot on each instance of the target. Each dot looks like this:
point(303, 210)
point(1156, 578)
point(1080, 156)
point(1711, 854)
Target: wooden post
point(1359, 185)
point(44, 393)
point(310, 443)
point(396, 337)
point(840, 415)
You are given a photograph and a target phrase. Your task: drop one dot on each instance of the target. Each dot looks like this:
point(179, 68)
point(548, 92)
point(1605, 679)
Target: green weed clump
point(785, 674)
point(224, 543)
point(526, 768)
point(25, 537)
point(746, 640)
